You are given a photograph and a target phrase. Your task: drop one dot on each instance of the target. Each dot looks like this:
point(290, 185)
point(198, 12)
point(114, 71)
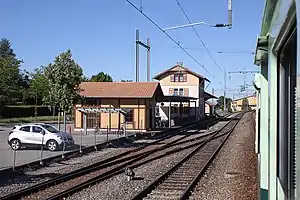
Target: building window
point(93, 120)
point(181, 91)
point(179, 77)
point(176, 92)
point(176, 77)
point(129, 115)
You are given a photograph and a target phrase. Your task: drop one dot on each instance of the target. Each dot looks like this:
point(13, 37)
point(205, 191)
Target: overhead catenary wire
point(205, 47)
point(170, 37)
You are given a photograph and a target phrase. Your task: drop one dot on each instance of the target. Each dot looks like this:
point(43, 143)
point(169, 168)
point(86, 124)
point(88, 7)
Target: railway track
point(69, 183)
point(180, 180)
point(126, 157)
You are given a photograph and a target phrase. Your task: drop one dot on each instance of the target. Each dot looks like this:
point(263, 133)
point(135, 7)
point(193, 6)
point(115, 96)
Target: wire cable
point(146, 16)
point(207, 50)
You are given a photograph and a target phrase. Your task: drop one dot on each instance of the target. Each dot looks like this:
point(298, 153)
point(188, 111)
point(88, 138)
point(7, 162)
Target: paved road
point(27, 155)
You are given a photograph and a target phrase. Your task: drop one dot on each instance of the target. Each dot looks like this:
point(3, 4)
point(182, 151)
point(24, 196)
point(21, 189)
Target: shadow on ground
point(22, 178)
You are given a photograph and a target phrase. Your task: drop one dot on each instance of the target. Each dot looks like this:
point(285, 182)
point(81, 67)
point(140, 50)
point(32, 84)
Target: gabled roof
point(120, 89)
point(182, 69)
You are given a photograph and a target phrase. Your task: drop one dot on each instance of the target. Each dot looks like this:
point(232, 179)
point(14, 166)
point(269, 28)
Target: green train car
point(278, 93)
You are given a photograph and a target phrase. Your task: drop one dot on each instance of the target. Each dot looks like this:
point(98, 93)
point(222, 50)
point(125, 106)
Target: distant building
point(237, 104)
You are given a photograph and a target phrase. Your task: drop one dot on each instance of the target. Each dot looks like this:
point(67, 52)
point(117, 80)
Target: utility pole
point(137, 55)
point(148, 60)
point(225, 85)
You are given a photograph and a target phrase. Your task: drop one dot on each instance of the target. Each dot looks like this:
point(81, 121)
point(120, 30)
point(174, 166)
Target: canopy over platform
point(172, 98)
point(209, 96)
point(101, 110)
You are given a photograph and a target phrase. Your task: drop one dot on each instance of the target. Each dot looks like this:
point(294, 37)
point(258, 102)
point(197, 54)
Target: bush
point(26, 111)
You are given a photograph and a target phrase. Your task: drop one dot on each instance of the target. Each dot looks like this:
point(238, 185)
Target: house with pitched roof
point(181, 81)
point(136, 99)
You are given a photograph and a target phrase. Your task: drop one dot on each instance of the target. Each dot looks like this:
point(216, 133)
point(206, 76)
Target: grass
point(29, 119)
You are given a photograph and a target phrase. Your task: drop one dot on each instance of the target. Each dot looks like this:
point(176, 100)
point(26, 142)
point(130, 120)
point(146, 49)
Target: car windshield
point(50, 128)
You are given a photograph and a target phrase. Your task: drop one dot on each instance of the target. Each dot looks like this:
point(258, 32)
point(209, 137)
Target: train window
point(286, 112)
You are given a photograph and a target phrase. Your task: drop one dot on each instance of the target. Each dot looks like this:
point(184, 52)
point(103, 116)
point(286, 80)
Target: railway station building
point(181, 81)
point(109, 105)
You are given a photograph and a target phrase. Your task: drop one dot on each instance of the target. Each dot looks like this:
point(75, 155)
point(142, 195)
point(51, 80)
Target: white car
point(34, 134)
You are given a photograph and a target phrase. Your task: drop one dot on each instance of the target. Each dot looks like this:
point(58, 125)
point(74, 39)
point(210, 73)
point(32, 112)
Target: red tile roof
point(120, 89)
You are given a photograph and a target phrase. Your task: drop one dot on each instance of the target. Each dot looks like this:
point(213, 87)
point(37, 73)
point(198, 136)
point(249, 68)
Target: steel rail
point(75, 153)
point(120, 169)
point(101, 165)
point(192, 185)
point(159, 180)
point(117, 171)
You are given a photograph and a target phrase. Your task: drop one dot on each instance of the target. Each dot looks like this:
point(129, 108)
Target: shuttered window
point(186, 91)
point(178, 77)
point(172, 78)
point(171, 91)
point(184, 77)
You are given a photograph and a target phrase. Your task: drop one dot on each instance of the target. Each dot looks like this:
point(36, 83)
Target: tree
point(5, 49)
point(39, 85)
point(85, 79)
point(126, 80)
point(101, 77)
point(10, 78)
point(220, 104)
point(24, 84)
point(245, 104)
point(64, 77)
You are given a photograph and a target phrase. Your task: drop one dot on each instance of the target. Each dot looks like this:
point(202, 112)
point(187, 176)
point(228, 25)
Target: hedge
point(25, 111)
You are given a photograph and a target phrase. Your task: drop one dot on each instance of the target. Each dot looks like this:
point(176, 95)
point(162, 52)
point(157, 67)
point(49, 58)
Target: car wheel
point(15, 144)
point(52, 145)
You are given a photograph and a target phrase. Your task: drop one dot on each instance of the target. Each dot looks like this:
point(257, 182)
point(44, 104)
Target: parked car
point(33, 135)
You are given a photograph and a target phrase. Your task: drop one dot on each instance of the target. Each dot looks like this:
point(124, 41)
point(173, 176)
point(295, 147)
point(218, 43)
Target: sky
point(101, 35)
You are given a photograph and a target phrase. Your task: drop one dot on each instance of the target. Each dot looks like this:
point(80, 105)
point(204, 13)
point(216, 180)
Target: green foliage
point(10, 78)
point(28, 119)
point(220, 103)
point(245, 104)
point(64, 77)
point(5, 49)
point(85, 79)
point(39, 85)
point(126, 80)
point(101, 77)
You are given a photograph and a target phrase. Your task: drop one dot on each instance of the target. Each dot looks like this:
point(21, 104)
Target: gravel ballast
point(55, 169)
point(233, 173)
point(119, 188)
point(154, 169)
